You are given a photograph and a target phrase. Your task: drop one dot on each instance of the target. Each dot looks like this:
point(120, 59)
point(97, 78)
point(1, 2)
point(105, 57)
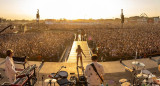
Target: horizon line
point(78, 18)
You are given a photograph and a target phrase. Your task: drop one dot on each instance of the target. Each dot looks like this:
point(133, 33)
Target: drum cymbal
point(126, 84)
point(142, 75)
point(122, 80)
point(136, 63)
point(48, 80)
point(146, 72)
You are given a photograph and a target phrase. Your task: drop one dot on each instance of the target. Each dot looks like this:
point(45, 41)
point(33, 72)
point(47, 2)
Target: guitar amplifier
point(20, 60)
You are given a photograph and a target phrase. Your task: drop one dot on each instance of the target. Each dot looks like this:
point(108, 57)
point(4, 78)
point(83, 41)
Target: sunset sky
point(77, 9)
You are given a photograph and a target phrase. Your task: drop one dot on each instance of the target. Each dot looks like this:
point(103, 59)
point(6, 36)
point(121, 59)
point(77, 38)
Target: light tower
point(122, 18)
point(37, 17)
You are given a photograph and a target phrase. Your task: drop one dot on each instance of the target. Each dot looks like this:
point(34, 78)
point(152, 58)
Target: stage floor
point(113, 70)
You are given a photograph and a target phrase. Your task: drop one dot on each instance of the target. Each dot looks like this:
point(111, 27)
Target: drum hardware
point(73, 78)
point(137, 79)
point(60, 77)
point(59, 71)
point(81, 79)
point(53, 75)
point(49, 81)
point(133, 72)
point(145, 77)
point(42, 80)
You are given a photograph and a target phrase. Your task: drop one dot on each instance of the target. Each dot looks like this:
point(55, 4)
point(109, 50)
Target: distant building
point(137, 19)
point(156, 19)
point(150, 20)
point(50, 21)
point(2, 20)
point(141, 19)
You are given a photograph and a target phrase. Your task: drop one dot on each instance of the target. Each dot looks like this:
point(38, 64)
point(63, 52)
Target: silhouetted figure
point(122, 18)
point(79, 55)
point(82, 35)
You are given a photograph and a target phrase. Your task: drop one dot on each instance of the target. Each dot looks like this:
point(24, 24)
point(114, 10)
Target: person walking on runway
point(79, 55)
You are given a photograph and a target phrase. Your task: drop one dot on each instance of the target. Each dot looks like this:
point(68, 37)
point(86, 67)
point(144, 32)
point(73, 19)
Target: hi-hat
point(48, 80)
point(136, 63)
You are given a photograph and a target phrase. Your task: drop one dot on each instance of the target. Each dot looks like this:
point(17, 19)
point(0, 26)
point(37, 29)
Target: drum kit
point(61, 78)
point(144, 78)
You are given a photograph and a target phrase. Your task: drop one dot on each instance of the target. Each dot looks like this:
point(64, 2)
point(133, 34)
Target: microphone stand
point(135, 71)
point(50, 82)
point(42, 80)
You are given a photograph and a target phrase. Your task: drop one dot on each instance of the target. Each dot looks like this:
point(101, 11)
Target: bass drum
point(63, 74)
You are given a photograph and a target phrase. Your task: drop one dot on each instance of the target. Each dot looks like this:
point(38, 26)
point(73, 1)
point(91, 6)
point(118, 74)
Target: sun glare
point(74, 9)
point(77, 9)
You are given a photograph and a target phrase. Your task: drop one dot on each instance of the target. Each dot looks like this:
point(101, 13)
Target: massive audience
point(132, 41)
point(47, 45)
point(108, 40)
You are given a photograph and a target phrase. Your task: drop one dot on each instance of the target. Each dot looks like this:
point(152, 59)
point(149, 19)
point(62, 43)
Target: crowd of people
point(108, 40)
point(134, 40)
point(47, 45)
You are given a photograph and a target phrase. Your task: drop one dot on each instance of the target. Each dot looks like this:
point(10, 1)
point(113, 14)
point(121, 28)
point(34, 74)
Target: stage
point(113, 70)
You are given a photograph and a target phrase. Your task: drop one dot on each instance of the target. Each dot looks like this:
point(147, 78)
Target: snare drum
point(63, 74)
